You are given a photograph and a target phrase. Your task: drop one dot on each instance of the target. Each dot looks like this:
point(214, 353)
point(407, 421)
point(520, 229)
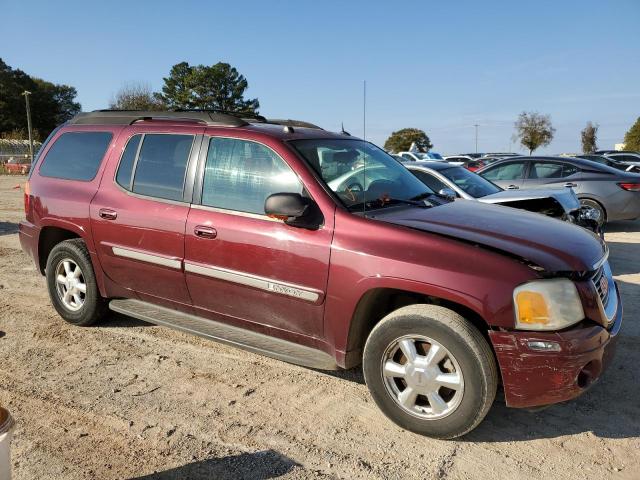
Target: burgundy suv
point(319, 249)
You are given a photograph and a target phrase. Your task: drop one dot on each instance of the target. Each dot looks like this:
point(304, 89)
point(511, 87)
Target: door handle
point(203, 231)
point(513, 187)
point(570, 184)
point(108, 214)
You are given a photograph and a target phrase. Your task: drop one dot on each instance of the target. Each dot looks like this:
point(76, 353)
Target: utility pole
point(476, 125)
point(26, 94)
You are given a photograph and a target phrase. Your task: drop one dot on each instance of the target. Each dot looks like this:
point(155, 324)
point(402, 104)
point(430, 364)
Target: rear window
point(76, 155)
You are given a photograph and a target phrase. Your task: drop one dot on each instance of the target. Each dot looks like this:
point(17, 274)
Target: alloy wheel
point(70, 284)
point(422, 377)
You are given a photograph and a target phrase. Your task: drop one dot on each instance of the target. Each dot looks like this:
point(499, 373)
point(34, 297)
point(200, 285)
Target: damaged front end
point(544, 367)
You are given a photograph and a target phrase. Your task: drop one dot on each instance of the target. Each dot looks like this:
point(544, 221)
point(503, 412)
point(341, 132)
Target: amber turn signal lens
point(532, 308)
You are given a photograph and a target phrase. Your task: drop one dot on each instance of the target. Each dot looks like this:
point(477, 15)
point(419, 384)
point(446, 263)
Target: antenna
point(364, 146)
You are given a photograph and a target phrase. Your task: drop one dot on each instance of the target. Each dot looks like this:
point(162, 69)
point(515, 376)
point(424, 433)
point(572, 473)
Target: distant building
point(619, 146)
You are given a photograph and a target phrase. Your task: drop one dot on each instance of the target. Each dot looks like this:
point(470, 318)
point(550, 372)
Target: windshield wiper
point(377, 203)
point(424, 195)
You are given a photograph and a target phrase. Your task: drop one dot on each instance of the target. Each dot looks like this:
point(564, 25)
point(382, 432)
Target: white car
point(421, 156)
point(458, 159)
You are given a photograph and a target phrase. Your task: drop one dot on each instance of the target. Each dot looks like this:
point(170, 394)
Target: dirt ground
point(129, 400)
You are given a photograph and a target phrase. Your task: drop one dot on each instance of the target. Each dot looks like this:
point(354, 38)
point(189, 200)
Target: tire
point(587, 202)
point(469, 357)
point(88, 307)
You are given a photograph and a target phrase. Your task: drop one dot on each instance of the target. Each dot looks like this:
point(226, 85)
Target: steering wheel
point(355, 187)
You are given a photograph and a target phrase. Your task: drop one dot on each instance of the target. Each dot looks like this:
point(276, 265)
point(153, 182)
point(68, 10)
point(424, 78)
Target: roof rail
point(243, 115)
point(127, 117)
point(292, 123)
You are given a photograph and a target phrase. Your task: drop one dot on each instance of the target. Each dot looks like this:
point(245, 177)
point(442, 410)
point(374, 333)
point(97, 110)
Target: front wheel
point(430, 371)
point(72, 284)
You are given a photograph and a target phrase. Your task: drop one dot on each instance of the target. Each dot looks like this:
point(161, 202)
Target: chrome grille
point(601, 282)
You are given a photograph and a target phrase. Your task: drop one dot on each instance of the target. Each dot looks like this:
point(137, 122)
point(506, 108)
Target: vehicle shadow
point(255, 466)
point(622, 226)
point(8, 228)
point(118, 320)
point(354, 374)
point(623, 257)
point(610, 409)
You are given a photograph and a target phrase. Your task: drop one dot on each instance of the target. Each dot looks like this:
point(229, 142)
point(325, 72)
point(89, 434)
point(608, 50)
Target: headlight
point(551, 304)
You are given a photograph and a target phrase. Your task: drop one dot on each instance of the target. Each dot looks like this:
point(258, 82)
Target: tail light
point(27, 199)
point(630, 187)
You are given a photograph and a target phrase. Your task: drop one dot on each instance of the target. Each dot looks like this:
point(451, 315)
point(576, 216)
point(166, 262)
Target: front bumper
point(533, 378)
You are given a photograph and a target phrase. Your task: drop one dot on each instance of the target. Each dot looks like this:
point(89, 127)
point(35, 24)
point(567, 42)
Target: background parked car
point(501, 154)
point(625, 157)
point(17, 166)
point(625, 166)
point(471, 164)
point(417, 156)
point(457, 182)
point(457, 159)
point(611, 194)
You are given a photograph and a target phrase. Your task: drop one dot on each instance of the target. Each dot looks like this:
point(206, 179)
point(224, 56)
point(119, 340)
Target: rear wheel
point(599, 215)
point(72, 284)
point(430, 371)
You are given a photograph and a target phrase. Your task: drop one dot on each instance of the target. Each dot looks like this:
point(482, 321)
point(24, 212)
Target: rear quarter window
point(76, 155)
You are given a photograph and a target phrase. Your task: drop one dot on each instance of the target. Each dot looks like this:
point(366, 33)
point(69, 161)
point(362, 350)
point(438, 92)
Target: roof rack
point(292, 123)
point(128, 117)
point(207, 117)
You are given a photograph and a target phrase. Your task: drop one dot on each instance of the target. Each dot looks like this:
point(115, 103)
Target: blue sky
point(440, 66)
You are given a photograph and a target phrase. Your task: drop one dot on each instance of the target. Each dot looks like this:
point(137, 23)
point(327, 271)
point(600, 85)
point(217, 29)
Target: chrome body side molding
point(262, 283)
point(147, 257)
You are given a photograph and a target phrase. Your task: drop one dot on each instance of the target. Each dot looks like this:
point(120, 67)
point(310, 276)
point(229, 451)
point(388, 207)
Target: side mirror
point(294, 209)
point(448, 193)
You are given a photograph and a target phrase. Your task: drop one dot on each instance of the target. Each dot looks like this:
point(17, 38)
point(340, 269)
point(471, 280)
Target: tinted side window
point(162, 165)
point(126, 162)
point(625, 158)
point(240, 175)
point(76, 155)
point(551, 170)
point(429, 180)
point(509, 171)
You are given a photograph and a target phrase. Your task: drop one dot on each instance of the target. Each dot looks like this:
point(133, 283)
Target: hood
point(549, 243)
point(564, 196)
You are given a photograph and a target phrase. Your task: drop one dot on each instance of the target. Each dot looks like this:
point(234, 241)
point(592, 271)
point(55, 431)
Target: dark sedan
point(610, 193)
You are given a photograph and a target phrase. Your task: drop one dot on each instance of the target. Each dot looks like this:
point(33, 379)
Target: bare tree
point(534, 130)
point(589, 137)
point(136, 96)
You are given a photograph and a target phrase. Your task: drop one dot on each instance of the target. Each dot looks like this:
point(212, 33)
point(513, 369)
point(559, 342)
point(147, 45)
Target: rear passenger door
point(544, 173)
point(508, 175)
point(138, 216)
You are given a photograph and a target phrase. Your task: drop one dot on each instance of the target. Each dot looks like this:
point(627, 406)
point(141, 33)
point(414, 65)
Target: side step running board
point(238, 337)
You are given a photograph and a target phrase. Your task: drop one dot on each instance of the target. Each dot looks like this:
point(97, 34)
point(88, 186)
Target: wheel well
point(49, 238)
point(379, 302)
point(596, 201)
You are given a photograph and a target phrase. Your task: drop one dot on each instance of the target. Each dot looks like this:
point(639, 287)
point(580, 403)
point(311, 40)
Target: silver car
point(611, 194)
point(457, 182)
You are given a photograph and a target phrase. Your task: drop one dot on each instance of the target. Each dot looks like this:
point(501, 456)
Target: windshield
point(361, 174)
point(469, 182)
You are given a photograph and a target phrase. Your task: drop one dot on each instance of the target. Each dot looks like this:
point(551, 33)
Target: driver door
point(243, 267)
point(508, 175)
